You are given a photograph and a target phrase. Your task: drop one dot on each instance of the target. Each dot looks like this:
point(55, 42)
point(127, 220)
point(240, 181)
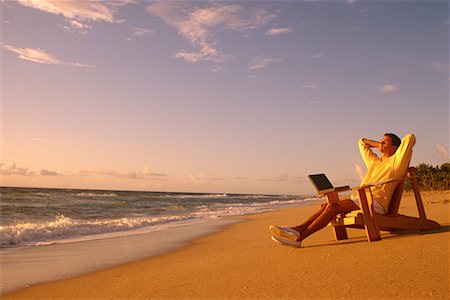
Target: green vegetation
point(432, 178)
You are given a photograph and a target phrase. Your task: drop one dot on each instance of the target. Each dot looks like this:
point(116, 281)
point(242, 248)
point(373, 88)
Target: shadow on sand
point(385, 236)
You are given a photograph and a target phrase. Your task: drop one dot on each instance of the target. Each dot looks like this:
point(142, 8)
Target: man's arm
point(371, 143)
point(404, 153)
point(367, 154)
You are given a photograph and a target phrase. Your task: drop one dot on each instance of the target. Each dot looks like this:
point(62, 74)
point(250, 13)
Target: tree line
point(432, 178)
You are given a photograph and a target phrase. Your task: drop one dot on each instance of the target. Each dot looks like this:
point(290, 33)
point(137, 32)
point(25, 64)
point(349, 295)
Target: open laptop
point(323, 185)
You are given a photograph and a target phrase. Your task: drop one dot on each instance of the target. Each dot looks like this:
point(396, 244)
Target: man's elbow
point(410, 139)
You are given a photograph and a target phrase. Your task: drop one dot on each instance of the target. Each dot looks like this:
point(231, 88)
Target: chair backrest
point(394, 204)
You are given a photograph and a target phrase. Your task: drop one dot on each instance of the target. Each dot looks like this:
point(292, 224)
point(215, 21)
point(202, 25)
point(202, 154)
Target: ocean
point(38, 216)
point(51, 234)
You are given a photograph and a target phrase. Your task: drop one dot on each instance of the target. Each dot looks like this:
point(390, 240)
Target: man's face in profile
point(386, 148)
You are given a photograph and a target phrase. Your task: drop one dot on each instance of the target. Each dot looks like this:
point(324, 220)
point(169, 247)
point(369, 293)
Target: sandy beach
point(242, 262)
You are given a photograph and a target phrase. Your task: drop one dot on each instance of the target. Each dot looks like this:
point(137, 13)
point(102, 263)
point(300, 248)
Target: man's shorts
point(377, 206)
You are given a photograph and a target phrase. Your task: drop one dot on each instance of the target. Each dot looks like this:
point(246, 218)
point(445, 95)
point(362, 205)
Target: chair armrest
point(342, 189)
point(335, 190)
point(379, 183)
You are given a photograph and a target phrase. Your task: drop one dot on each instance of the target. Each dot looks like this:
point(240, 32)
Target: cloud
point(441, 67)
point(198, 177)
point(217, 68)
point(138, 31)
point(281, 178)
point(261, 61)
point(200, 25)
point(310, 86)
point(359, 171)
point(299, 179)
point(45, 172)
point(120, 174)
point(206, 53)
point(317, 55)
point(285, 178)
point(146, 172)
point(216, 179)
point(15, 124)
point(75, 25)
point(443, 151)
point(313, 101)
point(38, 139)
point(388, 88)
point(78, 25)
point(277, 31)
point(39, 56)
point(202, 177)
point(79, 12)
point(12, 169)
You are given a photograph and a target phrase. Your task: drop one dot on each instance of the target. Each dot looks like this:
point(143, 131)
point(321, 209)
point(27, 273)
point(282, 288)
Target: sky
point(216, 97)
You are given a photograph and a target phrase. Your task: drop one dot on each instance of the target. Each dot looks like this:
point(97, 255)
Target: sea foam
point(64, 228)
point(45, 216)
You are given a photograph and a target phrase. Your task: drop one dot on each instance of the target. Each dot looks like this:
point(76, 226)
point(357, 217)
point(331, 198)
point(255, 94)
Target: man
point(393, 163)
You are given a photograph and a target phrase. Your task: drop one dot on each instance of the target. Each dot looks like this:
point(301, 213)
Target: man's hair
point(396, 141)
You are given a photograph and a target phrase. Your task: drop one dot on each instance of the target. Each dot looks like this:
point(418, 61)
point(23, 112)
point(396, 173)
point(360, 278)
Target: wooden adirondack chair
point(372, 222)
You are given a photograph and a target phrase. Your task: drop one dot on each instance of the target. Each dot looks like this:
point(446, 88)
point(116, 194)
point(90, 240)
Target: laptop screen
point(320, 181)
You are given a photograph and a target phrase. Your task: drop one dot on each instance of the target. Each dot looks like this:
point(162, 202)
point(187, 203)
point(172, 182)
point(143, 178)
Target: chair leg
point(415, 185)
point(340, 233)
point(372, 231)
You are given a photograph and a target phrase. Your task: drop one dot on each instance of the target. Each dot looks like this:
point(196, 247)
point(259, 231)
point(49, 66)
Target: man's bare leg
point(300, 228)
point(325, 214)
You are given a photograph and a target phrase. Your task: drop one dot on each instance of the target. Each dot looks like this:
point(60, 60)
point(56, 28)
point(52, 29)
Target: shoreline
point(31, 265)
point(240, 261)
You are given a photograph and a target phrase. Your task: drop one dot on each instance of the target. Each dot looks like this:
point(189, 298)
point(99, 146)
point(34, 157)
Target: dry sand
point(242, 262)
